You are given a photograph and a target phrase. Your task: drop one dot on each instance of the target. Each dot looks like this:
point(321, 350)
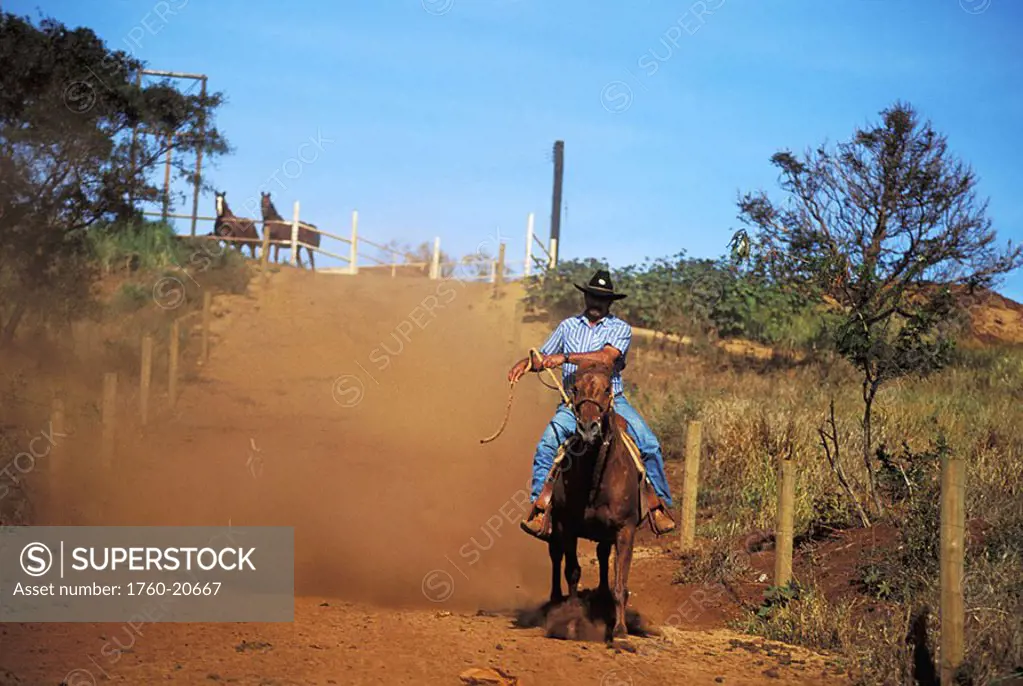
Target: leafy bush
point(690, 297)
point(145, 245)
point(69, 159)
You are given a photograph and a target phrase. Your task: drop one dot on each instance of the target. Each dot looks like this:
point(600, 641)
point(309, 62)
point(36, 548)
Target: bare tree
point(887, 224)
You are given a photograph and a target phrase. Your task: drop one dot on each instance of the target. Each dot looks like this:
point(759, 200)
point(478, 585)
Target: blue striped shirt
point(577, 335)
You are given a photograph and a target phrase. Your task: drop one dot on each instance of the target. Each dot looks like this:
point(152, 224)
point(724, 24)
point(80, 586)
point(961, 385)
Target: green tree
point(68, 159)
point(887, 224)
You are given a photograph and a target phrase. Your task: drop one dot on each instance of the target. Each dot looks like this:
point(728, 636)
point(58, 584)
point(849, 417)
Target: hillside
point(335, 405)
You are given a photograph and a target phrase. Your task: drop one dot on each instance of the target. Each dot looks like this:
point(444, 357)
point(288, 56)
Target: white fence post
point(294, 236)
point(554, 253)
point(353, 265)
point(528, 268)
point(435, 266)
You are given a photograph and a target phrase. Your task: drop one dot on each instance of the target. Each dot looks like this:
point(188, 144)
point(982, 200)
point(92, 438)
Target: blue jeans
point(563, 425)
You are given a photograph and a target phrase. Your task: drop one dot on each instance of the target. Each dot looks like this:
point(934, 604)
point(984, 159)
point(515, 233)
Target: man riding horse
point(596, 336)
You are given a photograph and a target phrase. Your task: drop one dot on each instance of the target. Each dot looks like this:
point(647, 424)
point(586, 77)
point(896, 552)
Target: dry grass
point(747, 413)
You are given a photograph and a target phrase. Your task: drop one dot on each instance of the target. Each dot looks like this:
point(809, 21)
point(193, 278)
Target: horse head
point(267, 206)
point(592, 402)
point(221, 200)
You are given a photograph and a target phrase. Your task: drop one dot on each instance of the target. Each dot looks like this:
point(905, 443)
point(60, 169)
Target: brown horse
point(280, 232)
point(228, 226)
point(596, 495)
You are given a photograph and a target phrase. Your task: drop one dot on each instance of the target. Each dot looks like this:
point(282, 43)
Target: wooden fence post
point(783, 528)
point(953, 525)
point(527, 268)
point(691, 483)
point(172, 364)
point(435, 264)
point(167, 179)
point(56, 467)
point(499, 280)
point(294, 236)
point(207, 315)
point(109, 417)
point(353, 252)
point(146, 377)
point(264, 259)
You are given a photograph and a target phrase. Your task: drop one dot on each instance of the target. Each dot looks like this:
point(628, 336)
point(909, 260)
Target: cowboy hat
point(600, 285)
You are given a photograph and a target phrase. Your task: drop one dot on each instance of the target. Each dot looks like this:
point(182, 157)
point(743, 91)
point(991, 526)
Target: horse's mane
point(587, 368)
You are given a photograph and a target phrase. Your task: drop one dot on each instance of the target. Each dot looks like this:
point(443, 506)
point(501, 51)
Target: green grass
point(145, 246)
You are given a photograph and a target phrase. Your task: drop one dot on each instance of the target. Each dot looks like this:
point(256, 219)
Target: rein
point(511, 396)
point(611, 432)
point(598, 468)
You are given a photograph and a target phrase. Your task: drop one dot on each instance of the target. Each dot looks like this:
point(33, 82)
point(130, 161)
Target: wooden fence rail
point(294, 242)
point(393, 259)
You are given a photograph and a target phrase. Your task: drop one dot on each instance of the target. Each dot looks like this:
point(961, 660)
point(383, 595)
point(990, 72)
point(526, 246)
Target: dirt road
point(351, 409)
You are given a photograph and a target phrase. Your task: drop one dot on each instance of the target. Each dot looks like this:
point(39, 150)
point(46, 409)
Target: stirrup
point(658, 531)
point(543, 530)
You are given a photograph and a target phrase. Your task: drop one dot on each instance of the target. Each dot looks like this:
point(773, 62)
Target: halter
point(603, 410)
point(607, 414)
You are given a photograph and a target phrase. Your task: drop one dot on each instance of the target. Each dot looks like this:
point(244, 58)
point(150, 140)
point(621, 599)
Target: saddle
point(648, 499)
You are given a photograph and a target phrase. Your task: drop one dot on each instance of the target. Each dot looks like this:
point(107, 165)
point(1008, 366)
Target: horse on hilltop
point(280, 232)
point(228, 226)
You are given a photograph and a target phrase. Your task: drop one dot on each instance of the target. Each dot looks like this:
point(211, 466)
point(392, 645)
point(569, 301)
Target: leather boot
point(660, 519)
point(538, 523)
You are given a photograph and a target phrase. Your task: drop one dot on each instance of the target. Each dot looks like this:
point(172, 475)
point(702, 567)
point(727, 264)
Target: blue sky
point(436, 117)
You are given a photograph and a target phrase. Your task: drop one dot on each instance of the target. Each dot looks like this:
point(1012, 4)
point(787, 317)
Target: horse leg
point(572, 569)
point(623, 560)
point(603, 558)
point(312, 263)
point(555, 552)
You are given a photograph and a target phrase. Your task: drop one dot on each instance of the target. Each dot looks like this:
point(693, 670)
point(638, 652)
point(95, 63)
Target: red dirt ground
point(409, 564)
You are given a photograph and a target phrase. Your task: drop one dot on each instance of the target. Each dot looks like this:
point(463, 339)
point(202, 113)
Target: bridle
point(604, 410)
point(607, 420)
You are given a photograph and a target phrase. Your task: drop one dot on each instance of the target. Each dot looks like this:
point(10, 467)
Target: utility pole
point(198, 156)
point(559, 173)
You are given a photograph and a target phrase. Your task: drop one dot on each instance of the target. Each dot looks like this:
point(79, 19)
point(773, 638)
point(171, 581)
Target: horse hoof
point(620, 630)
